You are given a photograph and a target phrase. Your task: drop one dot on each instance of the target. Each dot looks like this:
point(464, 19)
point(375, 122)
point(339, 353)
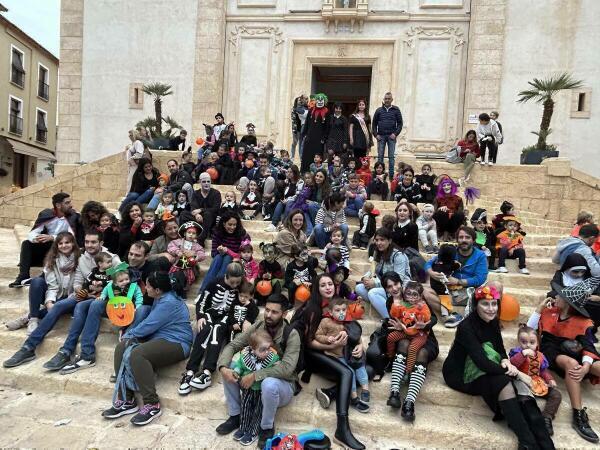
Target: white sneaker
point(482, 162)
point(184, 385)
point(524, 271)
point(501, 270)
point(271, 228)
point(490, 163)
point(201, 381)
point(18, 323)
point(32, 325)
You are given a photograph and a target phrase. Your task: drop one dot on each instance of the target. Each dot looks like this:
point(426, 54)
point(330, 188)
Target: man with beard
point(277, 382)
point(472, 273)
point(48, 224)
point(205, 205)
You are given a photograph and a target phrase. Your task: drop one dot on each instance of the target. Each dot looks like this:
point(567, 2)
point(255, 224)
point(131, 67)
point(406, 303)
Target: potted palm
point(154, 124)
point(543, 91)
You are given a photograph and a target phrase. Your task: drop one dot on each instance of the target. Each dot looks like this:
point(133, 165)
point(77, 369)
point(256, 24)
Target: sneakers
point(408, 411)
point(524, 271)
point(231, 424)
point(266, 218)
point(147, 414)
point(264, 435)
point(26, 282)
point(119, 409)
point(323, 398)
point(58, 361)
point(246, 217)
point(453, 320)
point(184, 385)
point(581, 424)
point(271, 228)
point(78, 363)
point(435, 249)
point(502, 270)
point(394, 400)
point(18, 283)
point(359, 405)
point(32, 325)
point(201, 381)
point(365, 396)
point(429, 249)
point(354, 246)
point(18, 323)
point(490, 163)
point(238, 435)
point(249, 439)
point(482, 162)
point(22, 356)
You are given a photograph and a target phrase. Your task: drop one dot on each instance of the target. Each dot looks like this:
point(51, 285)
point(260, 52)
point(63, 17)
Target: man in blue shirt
point(387, 125)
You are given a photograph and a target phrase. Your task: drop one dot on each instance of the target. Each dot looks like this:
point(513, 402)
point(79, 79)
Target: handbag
point(375, 354)
point(453, 155)
point(417, 264)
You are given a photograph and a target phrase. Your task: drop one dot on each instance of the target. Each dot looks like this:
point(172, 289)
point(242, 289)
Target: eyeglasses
point(412, 294)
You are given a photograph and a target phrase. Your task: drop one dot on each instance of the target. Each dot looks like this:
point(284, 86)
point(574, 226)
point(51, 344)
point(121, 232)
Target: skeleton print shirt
point(214, 303)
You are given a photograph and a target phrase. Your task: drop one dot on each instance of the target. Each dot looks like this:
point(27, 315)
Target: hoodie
point(570, 245)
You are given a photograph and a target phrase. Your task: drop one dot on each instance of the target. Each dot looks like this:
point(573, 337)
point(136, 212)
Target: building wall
point(28, 94)
point(564, 36)
point(133, 42)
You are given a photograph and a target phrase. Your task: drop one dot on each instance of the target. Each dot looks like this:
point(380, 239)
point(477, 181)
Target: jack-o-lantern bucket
point(120, 311)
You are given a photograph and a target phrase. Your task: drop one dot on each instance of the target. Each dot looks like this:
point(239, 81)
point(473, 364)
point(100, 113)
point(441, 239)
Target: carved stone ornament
point(274, 32)
point(454, 33)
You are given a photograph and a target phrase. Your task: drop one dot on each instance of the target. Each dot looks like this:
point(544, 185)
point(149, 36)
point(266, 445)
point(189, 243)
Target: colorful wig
point(446, 179)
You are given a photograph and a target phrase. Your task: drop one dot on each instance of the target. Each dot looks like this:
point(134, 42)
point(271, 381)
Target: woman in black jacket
point(477, 364)
point(143, 184)
point(406, 232)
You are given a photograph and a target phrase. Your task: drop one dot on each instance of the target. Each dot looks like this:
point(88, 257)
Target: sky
point(40, 19)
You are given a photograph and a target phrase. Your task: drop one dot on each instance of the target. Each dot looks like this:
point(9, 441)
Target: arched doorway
point(344, 84)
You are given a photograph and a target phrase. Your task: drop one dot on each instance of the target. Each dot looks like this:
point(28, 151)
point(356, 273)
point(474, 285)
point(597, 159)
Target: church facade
point(445, 61)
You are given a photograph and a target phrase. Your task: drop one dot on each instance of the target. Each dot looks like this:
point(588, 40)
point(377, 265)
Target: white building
point(445, 61)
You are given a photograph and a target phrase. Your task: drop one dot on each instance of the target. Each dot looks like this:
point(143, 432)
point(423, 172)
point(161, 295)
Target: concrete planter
point(534, 157)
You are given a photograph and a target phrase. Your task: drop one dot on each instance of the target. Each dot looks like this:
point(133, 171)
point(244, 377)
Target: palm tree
point(543, 92)
point(158, 91)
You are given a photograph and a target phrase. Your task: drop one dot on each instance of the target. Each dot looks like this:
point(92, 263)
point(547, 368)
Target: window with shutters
point(41, 130)
point(15, 115)
point(17, 66)
point(43, 82)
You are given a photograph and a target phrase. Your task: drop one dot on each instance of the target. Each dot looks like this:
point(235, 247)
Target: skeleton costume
point(240, 313)
point(213, 305)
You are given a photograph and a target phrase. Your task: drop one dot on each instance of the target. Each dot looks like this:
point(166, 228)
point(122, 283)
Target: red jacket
point(473, 147)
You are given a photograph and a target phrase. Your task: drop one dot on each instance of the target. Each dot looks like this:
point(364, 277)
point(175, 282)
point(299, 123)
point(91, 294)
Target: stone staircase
point(445, 418)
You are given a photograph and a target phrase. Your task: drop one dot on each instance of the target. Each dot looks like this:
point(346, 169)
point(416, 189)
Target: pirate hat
point(511, 219)
point(577, 295)
point(336, 267)
point(479, 214)
point(187, 225)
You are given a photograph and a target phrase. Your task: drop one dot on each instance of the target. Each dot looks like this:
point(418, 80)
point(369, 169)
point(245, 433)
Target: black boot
point(549, 427)
point(537, 424)
point(408, 410)
point(517, 423)
point(581, 424)
point(394, 400)
point(344, 436)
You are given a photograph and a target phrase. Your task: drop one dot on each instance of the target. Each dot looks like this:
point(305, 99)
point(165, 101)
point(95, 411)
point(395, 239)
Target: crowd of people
point(263, 322)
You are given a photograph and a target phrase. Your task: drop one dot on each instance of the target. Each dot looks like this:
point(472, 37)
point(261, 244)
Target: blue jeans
point(60, 308)
point(279, 210)
point(322, 237)
point(391, 145)
point(131, 197)
point(79, 317)
point(313, 209)
point(37, 297)
point(217, 269)
point(353, 206)
point(275, 393)
point(154, 202)
point(376, 296)
point(359, 374)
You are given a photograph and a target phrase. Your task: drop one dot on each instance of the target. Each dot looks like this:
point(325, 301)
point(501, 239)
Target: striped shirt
point(328, 218)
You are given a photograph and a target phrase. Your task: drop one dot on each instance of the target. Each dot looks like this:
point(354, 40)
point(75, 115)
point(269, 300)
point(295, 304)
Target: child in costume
point(251, 199)
point(299, 271)
point(269, 269)
point(188, 253)
point(507, 209)
point(407, 189)
point(534, 365)
point(486, 237)
point(166, 206)
point(335, 320)
point(445, 263)
point(366, 226)
point(149, 229)
point(245, 312)
point(248, 262)
point(509, 244)
point(109, 227)
point(121, 285)
point(182, 204)
point(426, 180)
point(335, 171)
point(427, 229)
point(97, 279)
point(566, 341)
point(414, 315)
point(229, 203)
point(378, 185)
point(258, 355)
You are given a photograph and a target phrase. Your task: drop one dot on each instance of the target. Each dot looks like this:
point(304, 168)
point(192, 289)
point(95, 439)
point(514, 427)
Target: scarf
point(363, 125)
point(66, 264)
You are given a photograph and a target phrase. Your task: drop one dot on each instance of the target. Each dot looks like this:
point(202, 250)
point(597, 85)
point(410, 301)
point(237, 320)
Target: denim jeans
point(353, 206)
point(60, 308)
point(37, 297)
point(89, 334)
point(313, 209)
point(322, 237)
point(217, 269)
point(391, 145)
point(131, 197)
point(376, 296)
point(359, 374)
point(279, 210)
point(275, 393)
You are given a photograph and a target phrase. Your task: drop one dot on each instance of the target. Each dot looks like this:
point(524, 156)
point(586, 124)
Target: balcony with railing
point(15, 125)
point(41, 135)
point(43, 90)
point(342, 11)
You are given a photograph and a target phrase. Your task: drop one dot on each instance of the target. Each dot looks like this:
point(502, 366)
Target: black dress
point(315, 134)
point(361, 142)
point(470, 336)
point(337, 134)
point(406, 236)
point(427, 196)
